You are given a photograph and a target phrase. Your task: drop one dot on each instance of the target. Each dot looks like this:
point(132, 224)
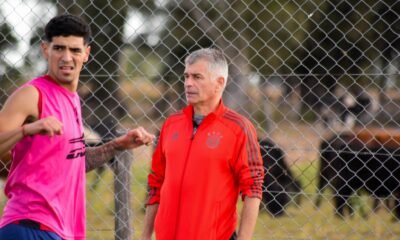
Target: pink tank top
point(47, 177)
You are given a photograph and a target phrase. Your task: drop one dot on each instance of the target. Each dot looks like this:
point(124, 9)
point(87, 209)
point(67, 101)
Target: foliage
point(8, 73)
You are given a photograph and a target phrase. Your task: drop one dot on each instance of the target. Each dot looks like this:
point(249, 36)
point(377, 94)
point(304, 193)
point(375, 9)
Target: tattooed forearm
point(97, 156)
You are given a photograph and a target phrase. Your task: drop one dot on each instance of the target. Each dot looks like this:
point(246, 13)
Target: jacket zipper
point(180, 189)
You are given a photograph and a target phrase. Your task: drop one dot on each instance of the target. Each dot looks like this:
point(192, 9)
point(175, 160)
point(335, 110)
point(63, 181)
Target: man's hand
point(134, 138)
point(47, 126)
point(97, 156)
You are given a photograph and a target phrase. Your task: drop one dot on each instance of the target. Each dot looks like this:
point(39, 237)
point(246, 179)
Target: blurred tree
point(8, 38)
point(192, 25)
point(275, 32)
point(176, 42)
point(384, 37)
point(8, 74)
point(336, 50)
point(311, 46)
point(385, 34)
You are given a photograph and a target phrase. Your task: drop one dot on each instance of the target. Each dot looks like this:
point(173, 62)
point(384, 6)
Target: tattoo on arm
point(97, 156)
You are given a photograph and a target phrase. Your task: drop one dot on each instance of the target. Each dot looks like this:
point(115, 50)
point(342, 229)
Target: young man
point(207, 154)
point(42, 126)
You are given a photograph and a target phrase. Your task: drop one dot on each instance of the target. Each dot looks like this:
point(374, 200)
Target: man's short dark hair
point(67, 25)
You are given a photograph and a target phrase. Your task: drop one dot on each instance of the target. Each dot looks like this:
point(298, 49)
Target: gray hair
point(217, 63)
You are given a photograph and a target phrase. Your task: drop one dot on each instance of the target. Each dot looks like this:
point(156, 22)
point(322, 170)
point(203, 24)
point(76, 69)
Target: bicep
point(21, 105)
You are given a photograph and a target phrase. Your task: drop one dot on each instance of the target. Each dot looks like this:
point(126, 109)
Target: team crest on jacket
point(213, 139)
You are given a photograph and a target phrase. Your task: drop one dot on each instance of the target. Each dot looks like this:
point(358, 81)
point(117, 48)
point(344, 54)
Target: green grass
point(100, 203)
point(301, 222)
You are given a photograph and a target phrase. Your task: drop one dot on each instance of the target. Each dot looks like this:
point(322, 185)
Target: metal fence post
point(122, 195)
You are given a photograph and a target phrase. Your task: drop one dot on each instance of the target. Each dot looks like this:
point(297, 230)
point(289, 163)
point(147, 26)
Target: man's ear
point(87, 53)
point(45, 49)
point(220, 83)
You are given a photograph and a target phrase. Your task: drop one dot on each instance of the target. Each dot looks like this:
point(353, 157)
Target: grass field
point(301, 222)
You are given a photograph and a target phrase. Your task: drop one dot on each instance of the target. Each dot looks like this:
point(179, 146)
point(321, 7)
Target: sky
point(24, 17)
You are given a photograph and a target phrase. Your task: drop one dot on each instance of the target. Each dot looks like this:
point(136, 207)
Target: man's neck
point(205, 110)
point(70, 87)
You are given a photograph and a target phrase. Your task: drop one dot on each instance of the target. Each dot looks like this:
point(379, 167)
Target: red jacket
point(197, 178)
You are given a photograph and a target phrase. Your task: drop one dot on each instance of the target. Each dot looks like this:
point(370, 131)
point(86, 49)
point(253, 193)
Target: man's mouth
point(67, 68)
point(190, 93)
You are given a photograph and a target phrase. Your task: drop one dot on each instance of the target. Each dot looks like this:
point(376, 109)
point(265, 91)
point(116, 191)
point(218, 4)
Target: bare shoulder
point(20, 106)
point(23, 98)
point(27, 92)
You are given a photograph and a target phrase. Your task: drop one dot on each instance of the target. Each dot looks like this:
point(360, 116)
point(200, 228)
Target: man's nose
point(188, 81)
point(67, 56)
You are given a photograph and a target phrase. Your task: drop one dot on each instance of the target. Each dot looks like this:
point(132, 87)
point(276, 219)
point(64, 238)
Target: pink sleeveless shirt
point(47, 177)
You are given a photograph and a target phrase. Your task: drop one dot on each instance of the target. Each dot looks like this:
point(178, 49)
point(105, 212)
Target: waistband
point(33, 224)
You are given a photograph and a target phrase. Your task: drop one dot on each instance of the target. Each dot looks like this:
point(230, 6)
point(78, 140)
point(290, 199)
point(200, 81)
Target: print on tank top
point(77, 152)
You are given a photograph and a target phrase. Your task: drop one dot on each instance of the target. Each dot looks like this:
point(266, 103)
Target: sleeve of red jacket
point(249, 166)
point(156, 176)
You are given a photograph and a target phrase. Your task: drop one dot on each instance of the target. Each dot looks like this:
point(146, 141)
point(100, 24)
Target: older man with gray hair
point(207, 156)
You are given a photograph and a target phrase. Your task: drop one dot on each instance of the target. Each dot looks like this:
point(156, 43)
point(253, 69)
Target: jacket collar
point(188, 110)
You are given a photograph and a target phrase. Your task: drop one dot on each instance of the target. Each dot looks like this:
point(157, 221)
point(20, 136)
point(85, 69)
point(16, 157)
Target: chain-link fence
point(318, 79)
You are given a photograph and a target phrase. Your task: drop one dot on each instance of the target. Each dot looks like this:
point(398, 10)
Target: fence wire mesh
point(318, 79)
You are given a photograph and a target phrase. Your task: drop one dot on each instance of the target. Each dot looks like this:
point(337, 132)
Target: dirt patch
point(300, 142)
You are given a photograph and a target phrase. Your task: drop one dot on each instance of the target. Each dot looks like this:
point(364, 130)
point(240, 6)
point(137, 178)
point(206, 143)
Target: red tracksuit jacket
point(197, 179)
